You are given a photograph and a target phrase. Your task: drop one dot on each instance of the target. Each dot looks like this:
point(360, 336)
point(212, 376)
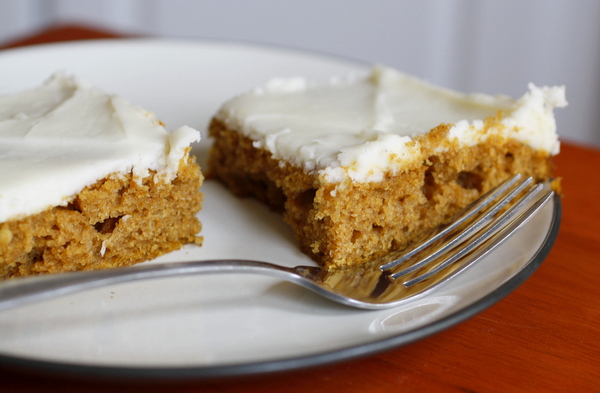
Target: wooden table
point(545, 336)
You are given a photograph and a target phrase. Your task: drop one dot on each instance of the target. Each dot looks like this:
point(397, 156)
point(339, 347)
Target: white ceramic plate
point(229, 324)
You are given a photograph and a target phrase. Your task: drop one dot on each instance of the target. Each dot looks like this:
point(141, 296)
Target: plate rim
point(147, 373)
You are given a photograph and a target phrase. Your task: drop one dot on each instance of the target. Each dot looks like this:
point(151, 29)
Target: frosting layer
point(65, 135)
point(363, 127)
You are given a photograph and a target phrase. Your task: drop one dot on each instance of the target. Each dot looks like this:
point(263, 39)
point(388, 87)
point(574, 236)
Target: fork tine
point(467, 232)
point(495, 234)
point(469, 213)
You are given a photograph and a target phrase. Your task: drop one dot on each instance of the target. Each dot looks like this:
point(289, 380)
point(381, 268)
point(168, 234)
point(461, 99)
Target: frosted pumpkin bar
point(90, 181)
point(362, 166)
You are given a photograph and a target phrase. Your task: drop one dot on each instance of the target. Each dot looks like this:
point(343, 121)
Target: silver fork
point(386, 282)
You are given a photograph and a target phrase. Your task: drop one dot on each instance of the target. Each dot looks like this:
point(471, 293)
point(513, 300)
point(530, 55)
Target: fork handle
point(20, 291)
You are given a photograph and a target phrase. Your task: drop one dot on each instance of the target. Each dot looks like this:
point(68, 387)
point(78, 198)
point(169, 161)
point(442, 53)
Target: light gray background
point(489, 46)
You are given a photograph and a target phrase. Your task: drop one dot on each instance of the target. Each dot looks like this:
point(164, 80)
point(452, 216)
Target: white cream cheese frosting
point(65, 135)
point(360, 128)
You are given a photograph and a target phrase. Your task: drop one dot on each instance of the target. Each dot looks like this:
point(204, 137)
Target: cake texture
point(362, 166)
point(91, 181)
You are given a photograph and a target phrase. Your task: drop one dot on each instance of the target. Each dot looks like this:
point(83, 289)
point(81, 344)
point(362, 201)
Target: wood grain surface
point(545, 336)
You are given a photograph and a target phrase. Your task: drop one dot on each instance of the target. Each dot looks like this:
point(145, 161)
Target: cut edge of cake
point(117, 221)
